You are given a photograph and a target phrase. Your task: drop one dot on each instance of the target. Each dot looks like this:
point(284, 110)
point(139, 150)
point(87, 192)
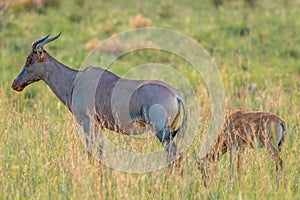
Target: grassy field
point(41, 155)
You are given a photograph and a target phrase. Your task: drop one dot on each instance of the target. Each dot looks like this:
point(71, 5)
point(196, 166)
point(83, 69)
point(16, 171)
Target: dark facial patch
point(30, 59)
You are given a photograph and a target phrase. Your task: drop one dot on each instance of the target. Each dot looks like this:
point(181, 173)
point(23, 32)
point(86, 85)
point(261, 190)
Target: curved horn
point(47, 40)
point(38, 41)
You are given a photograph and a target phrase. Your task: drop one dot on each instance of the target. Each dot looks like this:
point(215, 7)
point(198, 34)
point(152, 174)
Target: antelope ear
point(40, 53)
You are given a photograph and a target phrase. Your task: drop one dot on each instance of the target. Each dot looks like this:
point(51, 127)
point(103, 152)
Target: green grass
point(41, 155)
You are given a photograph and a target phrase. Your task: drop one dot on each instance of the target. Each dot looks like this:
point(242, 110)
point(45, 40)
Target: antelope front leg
point(87, 136)
point(97, 140)
point(93, 135)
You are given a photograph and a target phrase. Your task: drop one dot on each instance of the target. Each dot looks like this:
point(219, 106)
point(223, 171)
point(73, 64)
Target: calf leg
point(233, 159)
point(240, 159)
point(204, 167)
point(274, 152)
point(272, 147)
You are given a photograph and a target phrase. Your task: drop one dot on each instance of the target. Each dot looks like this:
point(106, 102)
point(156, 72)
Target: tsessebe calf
point(245, 129)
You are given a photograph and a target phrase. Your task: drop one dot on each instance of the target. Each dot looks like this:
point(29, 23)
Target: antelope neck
point(60, 79)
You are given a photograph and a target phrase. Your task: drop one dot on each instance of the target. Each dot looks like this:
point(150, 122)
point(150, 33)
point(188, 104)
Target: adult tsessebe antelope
point(246, 129)
point(97, 95)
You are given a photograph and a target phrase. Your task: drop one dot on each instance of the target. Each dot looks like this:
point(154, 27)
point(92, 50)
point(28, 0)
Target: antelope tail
point(182, 128)
point(282, 134)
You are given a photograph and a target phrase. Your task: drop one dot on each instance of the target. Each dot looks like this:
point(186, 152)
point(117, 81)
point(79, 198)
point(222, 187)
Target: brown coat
point(245, 129)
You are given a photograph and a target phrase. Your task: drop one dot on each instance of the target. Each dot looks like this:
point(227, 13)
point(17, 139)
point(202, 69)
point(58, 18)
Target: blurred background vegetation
point(255, 45)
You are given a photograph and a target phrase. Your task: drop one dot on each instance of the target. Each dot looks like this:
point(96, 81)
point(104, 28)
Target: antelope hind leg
point(274, 152)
